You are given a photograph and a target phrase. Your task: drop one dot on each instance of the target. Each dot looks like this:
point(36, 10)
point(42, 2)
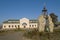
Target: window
point(30, 25)
point(9, 26)
point(35, 25)
point(12, 25)
point(4, 26)
point(15, 25)
point(18, 26)
point(24, 24)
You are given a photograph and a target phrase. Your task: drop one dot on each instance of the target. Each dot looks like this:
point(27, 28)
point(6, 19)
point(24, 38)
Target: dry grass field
point(29, 35)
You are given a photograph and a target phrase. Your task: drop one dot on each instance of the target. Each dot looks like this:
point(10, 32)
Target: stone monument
point(45, 22)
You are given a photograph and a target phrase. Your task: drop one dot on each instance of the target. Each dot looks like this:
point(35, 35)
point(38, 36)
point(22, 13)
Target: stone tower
point(45, 22)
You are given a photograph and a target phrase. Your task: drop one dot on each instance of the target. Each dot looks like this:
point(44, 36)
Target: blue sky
point(31, 9)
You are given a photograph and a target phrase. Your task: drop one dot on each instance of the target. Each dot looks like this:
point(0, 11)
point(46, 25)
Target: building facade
point(22, 23)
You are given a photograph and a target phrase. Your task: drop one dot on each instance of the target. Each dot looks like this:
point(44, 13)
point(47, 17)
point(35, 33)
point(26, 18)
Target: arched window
point(15, 26)
point(12, 25)
point(4, 26)
point(9, 26)
point(18, 26)
point(32, 25)
point(24, 25)
point(35, 25)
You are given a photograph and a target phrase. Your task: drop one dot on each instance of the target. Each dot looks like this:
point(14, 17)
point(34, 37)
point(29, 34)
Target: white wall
point(33, 25)
point(7, 26)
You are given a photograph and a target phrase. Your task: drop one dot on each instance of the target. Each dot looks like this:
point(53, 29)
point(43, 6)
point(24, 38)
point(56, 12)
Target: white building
point(22, 23)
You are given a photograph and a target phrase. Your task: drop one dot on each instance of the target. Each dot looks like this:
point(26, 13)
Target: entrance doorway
point(24, 25)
